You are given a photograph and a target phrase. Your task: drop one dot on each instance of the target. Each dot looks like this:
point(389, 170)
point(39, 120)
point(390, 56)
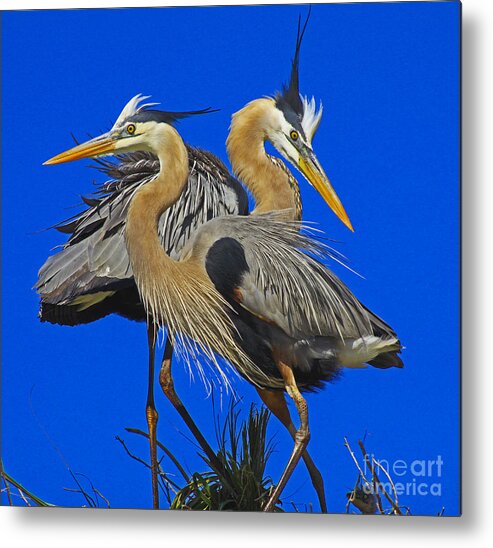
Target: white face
point(286, 139)
point(137, 136)
point(132, 137)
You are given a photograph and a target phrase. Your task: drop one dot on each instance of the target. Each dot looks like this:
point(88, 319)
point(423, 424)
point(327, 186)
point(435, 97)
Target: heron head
point(291, 125)
point(137, 128)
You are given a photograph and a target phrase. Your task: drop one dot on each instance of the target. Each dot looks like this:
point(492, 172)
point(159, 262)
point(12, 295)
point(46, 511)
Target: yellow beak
point(312, 170)
point(95, 147)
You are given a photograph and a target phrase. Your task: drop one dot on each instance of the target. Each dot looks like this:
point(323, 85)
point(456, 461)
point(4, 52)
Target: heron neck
point(272, 185)
point(176, 294)
point(155, 197)
point(147, 257)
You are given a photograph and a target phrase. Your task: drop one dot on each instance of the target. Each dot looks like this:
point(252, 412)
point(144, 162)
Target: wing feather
point(95, 257)
point(286, 282)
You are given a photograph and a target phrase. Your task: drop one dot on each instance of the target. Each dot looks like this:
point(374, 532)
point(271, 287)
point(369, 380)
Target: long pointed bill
point(312, 170)
point(99, 146)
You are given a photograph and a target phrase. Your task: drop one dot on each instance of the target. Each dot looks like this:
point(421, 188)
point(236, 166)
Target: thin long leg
point(168, 386)
point(301, 438)
point(151, 413)
point(276, 402)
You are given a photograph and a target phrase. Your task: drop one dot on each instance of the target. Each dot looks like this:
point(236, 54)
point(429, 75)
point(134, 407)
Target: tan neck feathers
point(272, 185)
point(176, 294)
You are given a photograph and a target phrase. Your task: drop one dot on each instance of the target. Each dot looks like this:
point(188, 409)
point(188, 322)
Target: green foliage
point(21, 494)
point(241, 484)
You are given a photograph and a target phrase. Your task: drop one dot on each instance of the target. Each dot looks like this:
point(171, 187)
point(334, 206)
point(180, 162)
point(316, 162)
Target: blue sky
point(389, 140)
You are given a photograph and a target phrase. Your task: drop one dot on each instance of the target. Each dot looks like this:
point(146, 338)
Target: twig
point(23, 497)
point(361, 473)
point(361, 476)
point(90, 501)
point(382, 468)
point(374, 479)
point(162, 475)
point(98, 492)
point(378, 483)
point(169, 454)
point(131, 455)
point(7, 487)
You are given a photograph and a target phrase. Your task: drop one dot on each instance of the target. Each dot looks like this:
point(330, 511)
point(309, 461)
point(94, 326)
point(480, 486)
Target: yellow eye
point(294, 135)
point(131, 129)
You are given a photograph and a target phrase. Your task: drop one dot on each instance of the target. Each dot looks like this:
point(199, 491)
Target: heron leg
point(151, 413)
point(301, 437)
point(168, 387)
point(276, 402)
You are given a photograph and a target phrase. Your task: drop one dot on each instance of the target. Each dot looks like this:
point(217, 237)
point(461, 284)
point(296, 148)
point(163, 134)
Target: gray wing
point(94, 260)
point(281, 279)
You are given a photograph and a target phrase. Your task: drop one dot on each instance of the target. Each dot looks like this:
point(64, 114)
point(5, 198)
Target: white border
point(80, 529)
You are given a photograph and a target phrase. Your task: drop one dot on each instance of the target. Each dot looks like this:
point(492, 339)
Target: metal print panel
point(250, 301)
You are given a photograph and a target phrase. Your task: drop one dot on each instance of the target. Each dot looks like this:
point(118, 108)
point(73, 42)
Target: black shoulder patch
point(226, 264)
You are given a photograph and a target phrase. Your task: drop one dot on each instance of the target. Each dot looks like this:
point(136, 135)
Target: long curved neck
point(178, 294)
point(162, 192)
point(270, 182)
point(150, 264)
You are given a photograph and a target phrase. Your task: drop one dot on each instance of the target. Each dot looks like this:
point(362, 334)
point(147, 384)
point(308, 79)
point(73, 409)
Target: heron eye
point(294, 135)
point(131, 129)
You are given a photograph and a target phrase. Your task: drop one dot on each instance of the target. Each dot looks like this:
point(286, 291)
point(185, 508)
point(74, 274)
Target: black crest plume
point(290, 95)
point(148, 115)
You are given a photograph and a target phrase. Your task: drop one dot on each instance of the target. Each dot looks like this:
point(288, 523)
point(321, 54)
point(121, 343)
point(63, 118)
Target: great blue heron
point(245, 287)
point(91, 276)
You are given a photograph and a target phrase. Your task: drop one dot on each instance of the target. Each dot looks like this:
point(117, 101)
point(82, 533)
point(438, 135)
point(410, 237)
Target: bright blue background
point(389, 140)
